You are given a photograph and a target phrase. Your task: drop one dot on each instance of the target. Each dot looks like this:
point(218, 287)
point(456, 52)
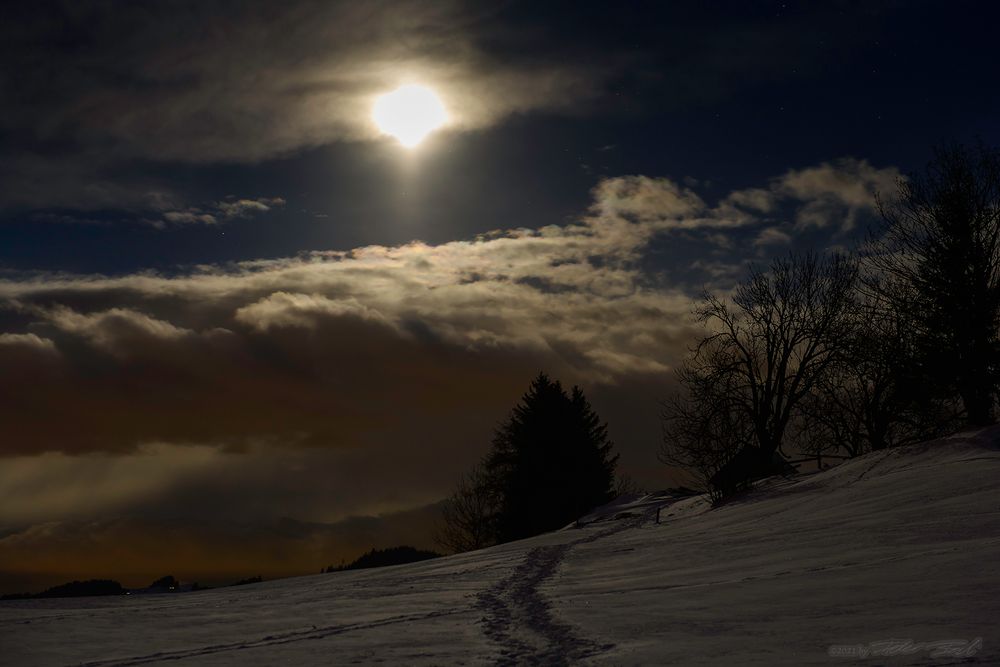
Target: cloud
point(108, 328)
point(189, 216)
point(282, 309)
point(835, 194)
point(243, 208)
point(656, 201)
point(74, 192)
point(832, 194)
point(26, 340)
point(227, 209)
point(772, 236)
point(662, 205)
point(54, 485)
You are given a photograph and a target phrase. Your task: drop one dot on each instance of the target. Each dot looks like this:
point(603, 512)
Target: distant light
point(409, 114)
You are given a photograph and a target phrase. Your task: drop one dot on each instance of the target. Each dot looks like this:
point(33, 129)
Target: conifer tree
point(551, 462)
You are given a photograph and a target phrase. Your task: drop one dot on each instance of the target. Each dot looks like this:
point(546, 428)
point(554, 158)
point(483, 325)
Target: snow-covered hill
point(898, 545)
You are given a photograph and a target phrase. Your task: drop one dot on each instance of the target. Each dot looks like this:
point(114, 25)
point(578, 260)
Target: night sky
point(243, 331)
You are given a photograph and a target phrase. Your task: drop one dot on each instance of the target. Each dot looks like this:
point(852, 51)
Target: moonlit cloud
point(26, 340)
point(772, 236)
point(835, 194)
point(242, 208)
point(188, 217)
point(284, 309)
point(112, 329)
point(227, 209)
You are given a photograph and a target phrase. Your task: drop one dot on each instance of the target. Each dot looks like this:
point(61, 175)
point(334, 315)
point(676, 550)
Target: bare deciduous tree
point(704, 425)
point(766, 350)
point(467, 515)
point(865, 400)
point(786, 327)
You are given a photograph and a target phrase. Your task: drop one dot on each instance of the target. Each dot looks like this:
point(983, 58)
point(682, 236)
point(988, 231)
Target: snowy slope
point(898, 545)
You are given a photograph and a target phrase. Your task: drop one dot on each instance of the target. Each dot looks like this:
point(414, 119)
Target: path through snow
point(519, 618)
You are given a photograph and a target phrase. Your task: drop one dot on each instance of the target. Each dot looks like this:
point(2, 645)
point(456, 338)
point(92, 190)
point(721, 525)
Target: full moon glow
point(409, 113)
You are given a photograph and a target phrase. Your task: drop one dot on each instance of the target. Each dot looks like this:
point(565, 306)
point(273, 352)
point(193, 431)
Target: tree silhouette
point(705, 424)
point(765, 351)
point(551, 462)
point(784, 329)
point(400, 555)
point(168, 582)
point(468, 515)
point(939, 246)
point(871, 398)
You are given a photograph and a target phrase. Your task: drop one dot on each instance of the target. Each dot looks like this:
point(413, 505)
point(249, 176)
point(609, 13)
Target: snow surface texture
point(896, 545)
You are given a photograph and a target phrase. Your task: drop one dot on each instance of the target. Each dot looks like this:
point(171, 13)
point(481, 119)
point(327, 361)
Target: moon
point(409, 114)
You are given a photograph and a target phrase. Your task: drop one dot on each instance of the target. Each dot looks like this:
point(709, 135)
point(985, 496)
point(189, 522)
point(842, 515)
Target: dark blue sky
point(731, 94)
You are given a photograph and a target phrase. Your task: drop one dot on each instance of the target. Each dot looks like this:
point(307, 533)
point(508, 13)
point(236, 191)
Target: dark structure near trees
point(939, 248)
point(166, 583)
point(550, 463)
point(742, 470)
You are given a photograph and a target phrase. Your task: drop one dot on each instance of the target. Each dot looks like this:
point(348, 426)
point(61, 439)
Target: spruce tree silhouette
point(938, 249)
point(551, 462)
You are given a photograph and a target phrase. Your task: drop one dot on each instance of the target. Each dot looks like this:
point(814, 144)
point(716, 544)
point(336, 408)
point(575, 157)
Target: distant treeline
point(170, 584)
point(73, 589)
point(98, 587)
point(385, 557)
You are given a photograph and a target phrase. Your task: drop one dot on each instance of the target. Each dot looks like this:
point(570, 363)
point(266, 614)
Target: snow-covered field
point(899, 545)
